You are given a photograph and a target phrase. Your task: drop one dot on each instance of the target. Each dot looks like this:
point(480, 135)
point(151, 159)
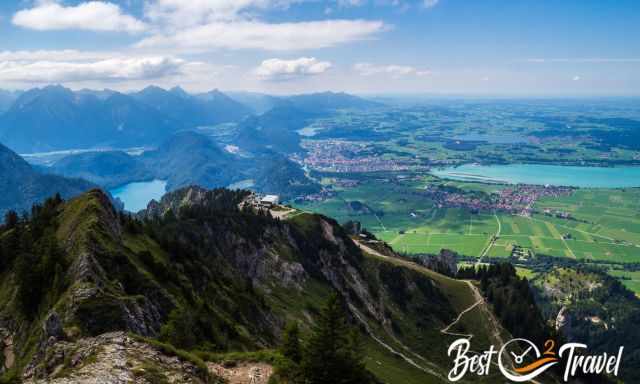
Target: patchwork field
point(604, 224)
point(631, 279)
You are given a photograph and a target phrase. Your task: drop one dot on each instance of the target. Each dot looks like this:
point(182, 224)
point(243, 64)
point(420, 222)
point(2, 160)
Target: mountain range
point(314, 102)
point(54, 118)
point(21, 186)
point(57, 118)
point(204, 109)
point(7, 98)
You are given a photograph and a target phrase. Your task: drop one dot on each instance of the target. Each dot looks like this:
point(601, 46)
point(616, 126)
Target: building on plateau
point(270, 200)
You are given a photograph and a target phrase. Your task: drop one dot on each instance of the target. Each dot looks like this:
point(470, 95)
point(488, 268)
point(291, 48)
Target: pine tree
point(29, 283)
point(332, 355)
point(291, 348)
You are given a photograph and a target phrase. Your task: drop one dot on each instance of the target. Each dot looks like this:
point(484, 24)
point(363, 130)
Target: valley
point(422, 177)
point(319, 192)
point(389, 206)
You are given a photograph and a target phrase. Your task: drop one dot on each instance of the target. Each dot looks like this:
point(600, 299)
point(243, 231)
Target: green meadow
point(605, 224)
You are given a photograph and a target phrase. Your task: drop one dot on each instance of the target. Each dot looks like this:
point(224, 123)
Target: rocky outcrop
point(112, 358)
point(174, 201)
point(92, 235)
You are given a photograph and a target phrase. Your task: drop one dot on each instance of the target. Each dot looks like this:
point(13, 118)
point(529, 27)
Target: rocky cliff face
point(199, 273)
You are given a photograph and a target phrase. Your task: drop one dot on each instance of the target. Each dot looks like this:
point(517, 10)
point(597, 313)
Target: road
point(492, 241)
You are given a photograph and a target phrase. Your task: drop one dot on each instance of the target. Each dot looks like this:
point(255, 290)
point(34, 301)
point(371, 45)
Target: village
point(341, 156)
point(519, 199)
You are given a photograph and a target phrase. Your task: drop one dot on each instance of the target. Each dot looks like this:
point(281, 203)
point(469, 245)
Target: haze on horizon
point(520, 48)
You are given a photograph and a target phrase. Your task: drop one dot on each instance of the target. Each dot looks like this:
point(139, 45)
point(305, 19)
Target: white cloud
point(251, 34)
point(182, 13)
point(395, 71)
point(92, 15)
point(278, 69)
point(109, 70)
point(576, 78)
point(205, 25)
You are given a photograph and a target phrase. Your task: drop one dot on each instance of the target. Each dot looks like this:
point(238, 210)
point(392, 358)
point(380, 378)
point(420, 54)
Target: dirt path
point(370, 250)
point(479, 302)
point(495, 324)
point(243, 373)
point(445, 330)
point(282, 213)
point(395, 352)
point(479, 299)
point(9, 357)
point(492, 241)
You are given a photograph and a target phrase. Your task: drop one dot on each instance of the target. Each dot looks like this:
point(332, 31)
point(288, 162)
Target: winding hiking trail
point(393, 351)
point(370, 250)
point(480, 301)
point(496, 327)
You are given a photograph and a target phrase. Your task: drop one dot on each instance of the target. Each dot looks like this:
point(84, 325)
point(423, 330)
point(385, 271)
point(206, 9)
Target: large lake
point(584, 177)
point(136, 196)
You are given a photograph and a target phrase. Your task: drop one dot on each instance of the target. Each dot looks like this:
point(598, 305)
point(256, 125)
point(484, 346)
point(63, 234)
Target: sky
point(442, 47)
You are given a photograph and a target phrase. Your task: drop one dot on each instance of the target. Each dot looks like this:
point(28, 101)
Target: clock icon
point(520, 360)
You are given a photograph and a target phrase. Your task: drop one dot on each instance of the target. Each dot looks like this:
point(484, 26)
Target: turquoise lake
point(136, 196)
point(574, 176)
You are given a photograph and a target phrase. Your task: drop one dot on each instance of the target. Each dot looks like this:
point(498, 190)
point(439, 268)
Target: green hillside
point(198, 274)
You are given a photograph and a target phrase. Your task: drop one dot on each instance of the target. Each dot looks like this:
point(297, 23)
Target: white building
point(270, 200)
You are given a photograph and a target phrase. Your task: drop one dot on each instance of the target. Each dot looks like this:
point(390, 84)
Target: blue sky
point(475, 47)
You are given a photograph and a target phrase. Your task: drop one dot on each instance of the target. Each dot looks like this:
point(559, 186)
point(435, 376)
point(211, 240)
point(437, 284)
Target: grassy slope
point(427, 341)
point(431, 343)
point(85, 224)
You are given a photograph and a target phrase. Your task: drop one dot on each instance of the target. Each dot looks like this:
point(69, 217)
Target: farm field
point(631, 279)
point(605, 224)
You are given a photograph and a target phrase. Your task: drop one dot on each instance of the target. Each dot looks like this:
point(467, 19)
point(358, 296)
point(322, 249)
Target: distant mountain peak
point(118, 97)
point(213, 95)
point(152, 89)
point(178, 90)
point(329, 100)
point(56, 87)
